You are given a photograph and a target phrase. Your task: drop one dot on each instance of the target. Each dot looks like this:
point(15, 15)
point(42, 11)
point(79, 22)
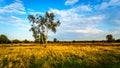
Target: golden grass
point(59, 56)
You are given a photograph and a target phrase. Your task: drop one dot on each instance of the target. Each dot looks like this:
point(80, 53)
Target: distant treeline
point(109, 38)
point(4, 39)
point(89, 41)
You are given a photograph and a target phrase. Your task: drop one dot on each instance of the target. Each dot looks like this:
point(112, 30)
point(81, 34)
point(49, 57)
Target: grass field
point(58, 55)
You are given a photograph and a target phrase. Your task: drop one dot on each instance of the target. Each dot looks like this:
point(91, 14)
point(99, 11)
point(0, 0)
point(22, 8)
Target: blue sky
point(80, 19)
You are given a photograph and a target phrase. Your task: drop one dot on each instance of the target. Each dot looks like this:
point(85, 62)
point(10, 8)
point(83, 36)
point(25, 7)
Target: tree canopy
point(110, 38)
point(41, 25)
point(4, 39)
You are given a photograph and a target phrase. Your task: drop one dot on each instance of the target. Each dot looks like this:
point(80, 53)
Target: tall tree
point(41, 25)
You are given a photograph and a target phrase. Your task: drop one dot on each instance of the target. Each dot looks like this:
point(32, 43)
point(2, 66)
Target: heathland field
point(60, 55)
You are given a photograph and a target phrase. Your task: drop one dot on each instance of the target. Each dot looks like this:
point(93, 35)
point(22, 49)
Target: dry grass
point(59, 56)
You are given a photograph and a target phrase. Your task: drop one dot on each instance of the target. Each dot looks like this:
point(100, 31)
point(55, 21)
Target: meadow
point(60, 55)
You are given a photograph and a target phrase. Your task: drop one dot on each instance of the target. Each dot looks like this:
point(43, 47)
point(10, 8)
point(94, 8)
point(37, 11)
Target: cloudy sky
point(80, 19)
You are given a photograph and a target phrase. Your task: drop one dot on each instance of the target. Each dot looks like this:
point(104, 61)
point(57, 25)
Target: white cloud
point(13, 20)
point(17, 21)
point(117, 21)
point(71, 2)
point(84, 8)
point(116, 31)
point(34, 13)
point(1, 22)
point(75, 21)
point(115, 2)
point(87, 31)
point(73, 16)
point(105, 5)
point(16, 7)
point(72, 11)
point(9, 13)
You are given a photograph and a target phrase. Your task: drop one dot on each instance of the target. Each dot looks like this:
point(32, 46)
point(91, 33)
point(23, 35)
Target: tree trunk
point(46, 35)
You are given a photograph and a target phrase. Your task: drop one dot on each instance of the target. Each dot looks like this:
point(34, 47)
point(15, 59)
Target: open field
point(60, 55)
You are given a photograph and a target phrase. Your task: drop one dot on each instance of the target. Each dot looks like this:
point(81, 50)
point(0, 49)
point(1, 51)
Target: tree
point(55, 40)
point(41, 25)
point(26, 41)
point(73, 41)
point(118, 40)
point(4, 39)
point(16, 41)
point(110, 38)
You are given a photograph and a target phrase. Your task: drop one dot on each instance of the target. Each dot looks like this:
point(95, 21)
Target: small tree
point(55, 40)
point(73, 41)
point(40, 25)
point(110, 38)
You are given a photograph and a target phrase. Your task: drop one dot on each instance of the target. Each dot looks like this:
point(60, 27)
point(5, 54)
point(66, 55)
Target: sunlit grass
point(54, 56)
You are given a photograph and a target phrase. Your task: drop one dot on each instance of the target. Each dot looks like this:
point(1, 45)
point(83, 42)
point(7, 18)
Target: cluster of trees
point(4, 39)
point(18, 41)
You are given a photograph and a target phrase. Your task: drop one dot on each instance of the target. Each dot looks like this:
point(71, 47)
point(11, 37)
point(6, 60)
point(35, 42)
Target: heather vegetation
point(59, 56)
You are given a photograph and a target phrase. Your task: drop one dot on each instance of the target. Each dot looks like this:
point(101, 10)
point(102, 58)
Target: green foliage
point(40, 25)
point(4, 39)
point(16, 41)
point(110, 38)
point(55, 40)
point(26, 41)
point(73, 41)
point(118, 40)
